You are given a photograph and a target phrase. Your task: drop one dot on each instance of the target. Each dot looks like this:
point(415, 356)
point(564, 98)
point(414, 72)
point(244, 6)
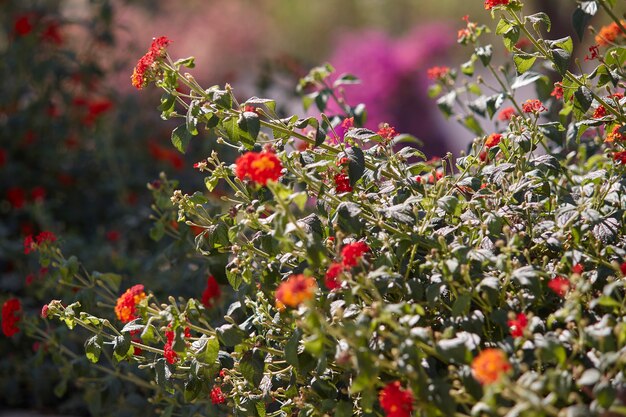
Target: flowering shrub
point(487, 285)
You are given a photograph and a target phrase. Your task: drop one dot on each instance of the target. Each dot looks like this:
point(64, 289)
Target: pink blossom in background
point(393, 79)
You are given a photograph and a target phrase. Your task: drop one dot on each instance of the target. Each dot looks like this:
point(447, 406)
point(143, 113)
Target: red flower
point(620, 157)
point(353, 252)
point(622, 268)
point(387, 132)
point(599, 113)
point(126, 306)
point(30, 278)
point(16, 197)
point(518, 325)
point(95, 109)
point(493, 140)
point(437, 73)
point(23, 24)
point(578, 269)
point(533, 106)
point(489, 4)
point(217, 396)
point(595, 50)
point(142, 72)
point(52, 34)
point(559, 285)
point(294, 291)
point(45, 237)
point(44, 311)
point(260, 167)
point(211, 293)
point(342, 183)
point(396, 401)
point(38, 194)
point(557, 93)
point(11, 310)
point(113, 235)
point(489, 365)
point(506, 114)
point(331, 281)
point(161, 153)
point(168, 351)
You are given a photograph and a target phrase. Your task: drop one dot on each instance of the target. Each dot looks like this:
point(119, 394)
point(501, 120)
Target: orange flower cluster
point(146, 63)
point(396, 401)
point(126, 307)
point(260, 167)
point(437, 73)
point(490, 365)
point(294, 291)
point(533, 106)
point(490, 4)
point(493, 140)
point(610, 33)
point(616, 135)
point(506, 114)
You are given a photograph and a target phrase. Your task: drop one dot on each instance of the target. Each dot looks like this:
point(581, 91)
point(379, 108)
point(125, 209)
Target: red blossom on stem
point(168, 351)
point(11, 315)
point(211, 293)
point(352, 253)
point(387, 132)
point(437, 73)
point(126, 306)
point(331, 279)
point(342, 183)
point(493, 140)
point(490, 4)
point(557, 93)
point(578, 269)
point(518, 325)
point(260, 167)
point(146, 63)
point(506, 114)
point(395, 400)
point(533, 106)
point(559, 285)
point(217, 396)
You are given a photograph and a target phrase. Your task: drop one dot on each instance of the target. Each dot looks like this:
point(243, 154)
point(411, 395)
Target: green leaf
point(256, 101)
point(525, 79)
point(252, 366)
point(446, 103)
point(346, 79)
point(484, 53)
point(356, 164)
point(523, 62)
point(537, 18)
point(211, 350)
point(181, 138)
point(582, 16)
point(122, 347)
point(162, 373)
point(230, 335)
point(93, 348)
point(249, 122)
point(561, 59)
point(347, 217)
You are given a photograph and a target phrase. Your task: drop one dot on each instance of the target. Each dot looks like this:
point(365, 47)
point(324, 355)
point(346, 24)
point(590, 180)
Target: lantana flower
point(490, 365)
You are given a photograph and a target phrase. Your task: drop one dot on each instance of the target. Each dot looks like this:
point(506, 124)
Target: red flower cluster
point(126, 306)
point(599, 112)
point(557, 93)
point(490, 365)
point(353, 252)
point(211, 293)
point(533, 106)
point(161, 153)
point(294, 291)
point(518, 325)
point(437, 73)
point(146, 63)
point(11, 310)
point(387, 132)
point(168, 351)
point(506, 114)
point(490, 4)
point(493, 140)
point(342, 183)
point(260, 167)
point(217, 396)
point(559, 285)
point(23, 24)
point(620, 157)
point(332, 274)
point(578, 269)
point(622, 268)
point(93, 108)
point(32, 244)
point(610, 33)
point(17, 196)
point(396, 401)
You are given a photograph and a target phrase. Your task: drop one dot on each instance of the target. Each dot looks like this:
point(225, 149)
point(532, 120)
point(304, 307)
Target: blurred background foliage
point(78, 145)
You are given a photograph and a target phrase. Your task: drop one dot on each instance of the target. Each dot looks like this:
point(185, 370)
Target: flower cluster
point(493, 140)
point(533, 106)
point(395, 400)
point(518, 325)
point(560, 286)
point(141, 74)
point(211, 293)
point(11, 315)
point(351, 254)
point(294, 291)
point(126, 306)
point(438, 73)
point(217, 396)
point(260, 167)
point(168, 351)
point(32, 244)
point(490, 4)
point(490, 365)
point(610, 33)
